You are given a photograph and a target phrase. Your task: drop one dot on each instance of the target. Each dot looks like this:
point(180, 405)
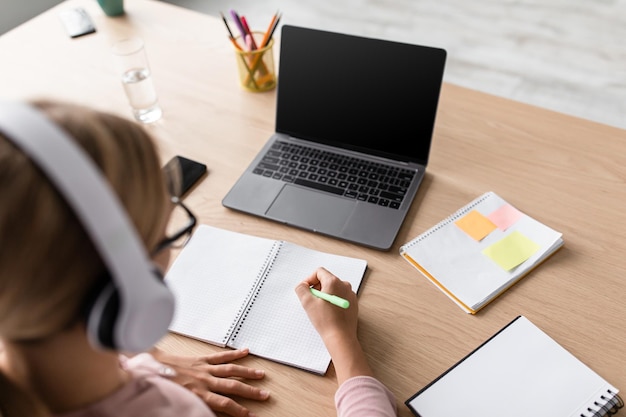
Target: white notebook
point(237, 290)
point(518, 372)
point(482, 249)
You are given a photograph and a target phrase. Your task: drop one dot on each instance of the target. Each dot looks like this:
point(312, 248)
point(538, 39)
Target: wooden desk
point(568, 173)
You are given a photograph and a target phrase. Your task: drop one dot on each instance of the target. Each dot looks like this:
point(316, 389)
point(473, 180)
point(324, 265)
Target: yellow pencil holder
point(256, 67)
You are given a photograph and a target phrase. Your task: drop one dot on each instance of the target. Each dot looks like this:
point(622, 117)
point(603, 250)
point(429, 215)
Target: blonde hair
point(48, 264)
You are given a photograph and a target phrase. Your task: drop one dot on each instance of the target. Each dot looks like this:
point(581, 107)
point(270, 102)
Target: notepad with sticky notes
point(481, 250)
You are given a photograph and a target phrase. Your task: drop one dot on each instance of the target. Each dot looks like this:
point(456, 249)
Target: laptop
point(354, 124)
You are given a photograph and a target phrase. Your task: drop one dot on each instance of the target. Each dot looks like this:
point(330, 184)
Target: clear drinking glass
point(136, 78)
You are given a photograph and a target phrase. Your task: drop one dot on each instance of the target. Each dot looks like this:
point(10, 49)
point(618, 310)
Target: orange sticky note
point(475, 225)
point(505, 216)
point(511, 250)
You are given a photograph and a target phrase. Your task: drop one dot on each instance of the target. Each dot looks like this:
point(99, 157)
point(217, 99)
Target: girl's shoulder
point(147, 393)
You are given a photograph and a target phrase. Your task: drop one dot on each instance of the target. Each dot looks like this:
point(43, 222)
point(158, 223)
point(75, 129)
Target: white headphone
point(133, 311)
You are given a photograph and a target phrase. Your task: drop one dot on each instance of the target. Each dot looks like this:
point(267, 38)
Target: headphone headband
point(146, 306)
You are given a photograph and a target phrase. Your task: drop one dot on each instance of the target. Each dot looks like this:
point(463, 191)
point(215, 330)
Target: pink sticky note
point(505, 216)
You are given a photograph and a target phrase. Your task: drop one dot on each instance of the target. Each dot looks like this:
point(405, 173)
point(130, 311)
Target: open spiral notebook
point(238, 290)
point(482, 249)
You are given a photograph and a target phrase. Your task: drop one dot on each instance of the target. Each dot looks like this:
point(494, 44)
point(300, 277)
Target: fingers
point(214, 379)
point(324, 276)
point(302, 291)
point(237, 388)
point(219, 365)
point(223, 404)
point(329, 282)
point(216, 386)
point(313, 279)
point(324, 280)
point(237, 371)
point(226, 356)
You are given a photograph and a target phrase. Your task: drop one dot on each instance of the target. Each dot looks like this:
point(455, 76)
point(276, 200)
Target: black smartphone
point(191, 171)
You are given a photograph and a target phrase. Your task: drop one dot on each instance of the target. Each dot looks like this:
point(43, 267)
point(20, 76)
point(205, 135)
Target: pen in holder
point(256, 66)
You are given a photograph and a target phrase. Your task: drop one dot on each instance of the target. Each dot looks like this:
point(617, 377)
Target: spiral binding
point(242, 313)
point(459, 213)
point(612, 404)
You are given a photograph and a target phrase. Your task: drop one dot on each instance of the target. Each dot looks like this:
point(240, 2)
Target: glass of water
point(137, 79)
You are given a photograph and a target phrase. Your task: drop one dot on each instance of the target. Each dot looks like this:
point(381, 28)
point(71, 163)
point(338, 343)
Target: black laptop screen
point(363, 94)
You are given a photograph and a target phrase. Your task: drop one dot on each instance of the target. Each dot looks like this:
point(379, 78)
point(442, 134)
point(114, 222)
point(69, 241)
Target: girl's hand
point(214, 379)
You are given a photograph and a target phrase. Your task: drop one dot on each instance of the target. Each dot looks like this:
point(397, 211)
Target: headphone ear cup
point(102, 316)
point(158, 273)
point(103, 311)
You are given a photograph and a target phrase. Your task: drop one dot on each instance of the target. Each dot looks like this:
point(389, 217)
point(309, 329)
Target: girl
point(49, 268)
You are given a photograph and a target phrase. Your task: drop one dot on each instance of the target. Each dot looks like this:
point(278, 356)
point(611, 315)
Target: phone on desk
point(191, 172)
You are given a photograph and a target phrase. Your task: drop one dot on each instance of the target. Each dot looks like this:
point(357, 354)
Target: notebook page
point(455, 260)
point(211, 279)
point(520, 372)
point(277, 326)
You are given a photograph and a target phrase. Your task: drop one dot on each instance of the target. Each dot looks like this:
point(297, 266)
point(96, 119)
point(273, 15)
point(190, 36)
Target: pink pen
point(246, 28)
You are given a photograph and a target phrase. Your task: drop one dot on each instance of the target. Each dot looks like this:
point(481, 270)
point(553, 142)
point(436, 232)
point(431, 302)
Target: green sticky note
point(511, 250)
point(475, 225)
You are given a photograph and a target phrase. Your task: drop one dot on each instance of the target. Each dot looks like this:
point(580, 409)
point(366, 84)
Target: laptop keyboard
point(350, 177)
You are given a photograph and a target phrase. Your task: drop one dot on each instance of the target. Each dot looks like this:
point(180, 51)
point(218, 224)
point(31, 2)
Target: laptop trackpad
point(311, 209)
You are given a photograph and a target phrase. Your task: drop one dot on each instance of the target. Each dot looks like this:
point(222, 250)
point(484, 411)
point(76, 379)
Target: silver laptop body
point(354, 123)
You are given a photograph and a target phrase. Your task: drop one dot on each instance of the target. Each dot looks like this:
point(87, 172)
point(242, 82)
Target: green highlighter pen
point(333, 299)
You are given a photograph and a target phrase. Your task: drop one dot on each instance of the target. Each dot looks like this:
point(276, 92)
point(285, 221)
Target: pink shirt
point(146, 394)
point(150, 394)
point(364, 396)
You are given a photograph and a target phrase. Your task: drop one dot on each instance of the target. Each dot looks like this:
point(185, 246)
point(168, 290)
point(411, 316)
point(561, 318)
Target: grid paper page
point(277, 326)
point(211, 279)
